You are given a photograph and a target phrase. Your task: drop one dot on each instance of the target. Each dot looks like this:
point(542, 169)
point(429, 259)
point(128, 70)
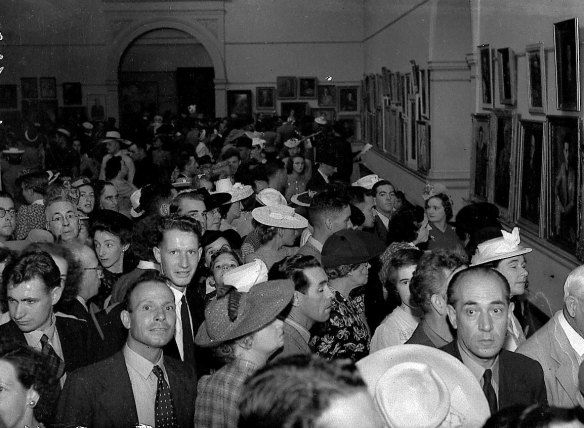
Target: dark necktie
point(164, 415)
point(490, 391)
point(56, 364)
point(187, 333)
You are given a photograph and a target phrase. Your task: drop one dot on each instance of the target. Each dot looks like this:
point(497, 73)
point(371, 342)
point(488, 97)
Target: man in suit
point(139, 384)
point(328, 162)
point(384, 194)
point(479, 309)
point(559, 344)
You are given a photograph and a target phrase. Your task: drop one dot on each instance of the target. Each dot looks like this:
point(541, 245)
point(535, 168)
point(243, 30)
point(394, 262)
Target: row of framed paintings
point(532, 170)
point(307, 88)
point(44, 88)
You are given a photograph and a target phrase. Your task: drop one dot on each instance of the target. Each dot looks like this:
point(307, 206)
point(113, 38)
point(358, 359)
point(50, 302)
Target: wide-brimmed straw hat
point(255, 309)
point(271, 197)
point(499, 248)
point(237, 191)
point(246, 276)
point(292, 142)
point(303, 199)
point(111, 136)
point(423, 387)
point(279, 216)
point(367, 182)
point(348, 246)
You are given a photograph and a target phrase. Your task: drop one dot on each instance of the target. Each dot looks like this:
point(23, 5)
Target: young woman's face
point(223, 263)
point(109, 198)
point(14, 397)
point(109, 249)
point(298, 164)
point(86, 201)
point(435, 210)
point(403, 277)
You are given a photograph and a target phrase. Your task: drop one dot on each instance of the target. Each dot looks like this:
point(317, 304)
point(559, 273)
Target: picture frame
point(48, 87)
point(564, 183)
point(507, 76)
point(329, 113)
point(239, 103)
point(423, 146)
point(567, 56)
point(8, 97)
point(307, 88)
point(97, 106)
point(72, 93)
point(486, 75)
point(536, 78)
point(502, 155)
point(481, 147)
point(137, 96)
point(348, 99)
point(29, 87)
point(327, 95)
point(298, 108)
point(286, 86)
point(265, 98)
point(424, 94)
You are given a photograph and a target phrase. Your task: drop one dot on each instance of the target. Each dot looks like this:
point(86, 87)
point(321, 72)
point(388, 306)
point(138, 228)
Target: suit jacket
point(520, 378)
point(294, 343)
point(317, 182)
point(551, 348)
point(101, 396)
point(380, 230)
point(310, 250)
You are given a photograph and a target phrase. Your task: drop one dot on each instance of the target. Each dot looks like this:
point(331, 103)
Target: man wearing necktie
point(479, 309)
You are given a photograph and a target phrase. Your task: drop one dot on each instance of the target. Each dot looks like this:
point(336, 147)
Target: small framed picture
point(503, 156)
point(29, 87)
point(239, 103)
point(423, 146)
point(8, 97)
point(486, 73)
point(481, 143)
point(327, 96)
point(293, 110)
point(48, 87)
point(536, 78)
point(328, 113)
point(567, 48)
point(266, 98)
point(348, 99)
point(507, 76)
point(72, 93)
point(97, 107)
point(286, 87)
point(307, 88)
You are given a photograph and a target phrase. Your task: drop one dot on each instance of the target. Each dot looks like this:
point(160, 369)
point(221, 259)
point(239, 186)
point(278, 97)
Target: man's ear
point(451, 315)
point(296, 299)
point(570, 304)
point(125, 317)
point(156, 252)
point(510, 311)
point(438, 303)
point(56, 294)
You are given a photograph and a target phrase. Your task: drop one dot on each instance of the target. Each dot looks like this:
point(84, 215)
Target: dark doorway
point(195, 86)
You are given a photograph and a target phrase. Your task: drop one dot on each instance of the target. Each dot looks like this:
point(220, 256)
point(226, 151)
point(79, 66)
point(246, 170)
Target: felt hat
point(367, 182)
point(420, 386)
point(214, 200)
point(279, 216)
point(246, 276)
point(292, 142)
point(111, 136)
point(255, 309)
point(499, 248)
point(35, 235)
point(349, 246)
point(135, 211)
point(270, 197)
point(303, 199)
point(237, 191)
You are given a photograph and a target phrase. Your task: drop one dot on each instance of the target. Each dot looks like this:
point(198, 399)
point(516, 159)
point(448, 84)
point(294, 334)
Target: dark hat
point(476, 216)
point(328, 156)
point(243, 141)
point(348, 246)
point(357, 216)
point(164, 129)
point(214, 200)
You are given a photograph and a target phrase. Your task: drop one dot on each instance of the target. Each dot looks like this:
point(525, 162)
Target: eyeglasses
point(11, 212)
point(60, 219)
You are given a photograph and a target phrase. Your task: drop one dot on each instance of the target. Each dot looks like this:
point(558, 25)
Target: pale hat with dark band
point(279, 216)
point(292, 142)
point(499, 248)
point(237, 191)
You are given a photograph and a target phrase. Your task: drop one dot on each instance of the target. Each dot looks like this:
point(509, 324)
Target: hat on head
point(182, 182)
point(367, 182)
point(214, 200)
point(111, 136)
point(87, 126)
point(321, 120)
point(243, 141)
point(255, 309)
point(270, 197)
point(246, 276)
point(303, 199)
point(279, 216)
point(237, 191)
point(349, 246)
point(499, 248)
point(135, 211)
point(64, 132)
point(13, 151)
point(420, 386)
point(81, 181)
point(292, 142)
point(255, 141)
point(431, 190)
point(35, 235)
point(328, 156)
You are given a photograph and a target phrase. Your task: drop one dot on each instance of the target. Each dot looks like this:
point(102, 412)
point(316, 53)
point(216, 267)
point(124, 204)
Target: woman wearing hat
point(243, 330)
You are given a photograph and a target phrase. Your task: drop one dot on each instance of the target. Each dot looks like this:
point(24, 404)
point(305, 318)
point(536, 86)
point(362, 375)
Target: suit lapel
point(566, 359)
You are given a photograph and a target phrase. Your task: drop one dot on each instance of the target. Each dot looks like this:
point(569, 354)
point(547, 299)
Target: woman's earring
point(32, 403)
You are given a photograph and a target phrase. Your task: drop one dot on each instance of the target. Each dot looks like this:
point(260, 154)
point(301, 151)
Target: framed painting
point(536, 78)
point(481, 143)
point(503, 156)
point(48, 87)
point(327, 95)
point(239, 103)
point(348, 99)
point(564, 181)
point(286, 87)
point(425, 93)
point(137, 96)
point(265, 98)
point(423, 146)
point(8, 97)
point(296, 110)
point(486, 75)
point(531, 191)
point(507, 76)
point(328, 113)
point(97, 107)
point(307, 88)
point(72, 93)
point(567, 49)
point(29, 87)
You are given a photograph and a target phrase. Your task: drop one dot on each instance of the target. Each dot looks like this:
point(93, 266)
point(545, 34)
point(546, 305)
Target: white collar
point(576, 341)
point(384, 219)
point(326, 179)
point(315, 243)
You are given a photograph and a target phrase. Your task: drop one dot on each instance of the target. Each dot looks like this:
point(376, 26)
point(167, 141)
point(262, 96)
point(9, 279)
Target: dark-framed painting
point(567, 49)
point(330, 114)
point(481, 144)
point(327, 95)
point(137, 96)
point(72, 93)
point(348, 99)
point(423, 146)
point(286, 87)
point(486, 73)
point(8, 97)
point(307, 88)
point(266, 98)
point(295, 110)
point(29, 87)
point(507, 76)
point(239, 103)
point(564, 181)
point(502, 154)
point(531, 191)
point(48, 86)
point(536, 78)
point(96, 103)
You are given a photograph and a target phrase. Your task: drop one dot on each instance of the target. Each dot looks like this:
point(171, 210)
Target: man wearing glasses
point(62, 219)
point(7, 217)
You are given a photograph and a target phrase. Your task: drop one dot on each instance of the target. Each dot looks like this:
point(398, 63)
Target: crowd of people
point(227, 273)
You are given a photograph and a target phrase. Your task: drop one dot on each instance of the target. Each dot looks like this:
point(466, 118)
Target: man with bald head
point(559, 345)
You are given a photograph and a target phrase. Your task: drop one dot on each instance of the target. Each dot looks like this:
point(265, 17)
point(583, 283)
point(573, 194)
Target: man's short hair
point(112, 167)
point(458, 279)
point(146, 276)
point(325, 203)
point(192, 195)
point(140, 144)
point(177, 222)
point(272, 167)
point(34, 265)
point(295, 391)
point(429, 277)
point(574, 281)
point(379, 184)
point(293, 268)
point(59, 198)
point(229, 153)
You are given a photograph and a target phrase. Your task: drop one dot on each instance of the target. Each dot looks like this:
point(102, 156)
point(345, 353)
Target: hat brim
point(302, 199)
point(237, 195)
point(263, 217)
point(215, 200)
point(501, 256)
point(135, 214)
point(181, 184)
point(291, 146)
point(467, 397)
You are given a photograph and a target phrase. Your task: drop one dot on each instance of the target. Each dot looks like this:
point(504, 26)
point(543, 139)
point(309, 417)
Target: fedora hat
point(367, 182)
point(270, 197)
point(499, 248)
point(255, 309)
point(214, 200)
point(348, 246)
point(279, 216)
point(321, 120)
point(237, 191)
point(420, 386)
point(112, 136)
point(246, 276)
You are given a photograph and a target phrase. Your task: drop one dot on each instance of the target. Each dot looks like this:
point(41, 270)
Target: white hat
point(13, 151)
point(111, 136)
point(431, 190)
point(499, 248)
point(367, 182)
point(279, 216)
point(270, 197)
point(245, 276)
point(292, 142)
point(407, 383)
point(237, 191)
point(64, 132)
point(135, 201)
point(181, 182)
point(87, 125)
point(255, 141)
point(321, 120)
